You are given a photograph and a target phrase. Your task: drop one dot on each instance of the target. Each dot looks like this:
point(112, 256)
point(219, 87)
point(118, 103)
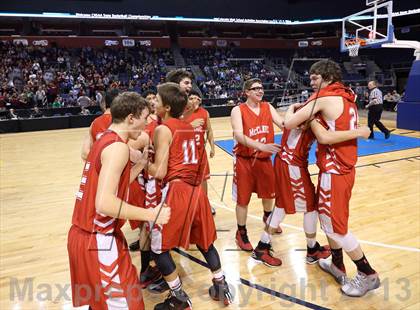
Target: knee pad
point(348, 242)
point(310, 220)
point(164, 263)
point(276, 217)
point(212, 258)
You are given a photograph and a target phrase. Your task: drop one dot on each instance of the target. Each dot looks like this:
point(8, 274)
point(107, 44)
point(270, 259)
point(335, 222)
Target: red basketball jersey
point(257, 127)
point(100, 125)
point(183, 153)
point(339, 158)
point(296, 143)
point(200, 131)
point(150, 128)
point(152, 186)
point(84, 214)
point(295, 146)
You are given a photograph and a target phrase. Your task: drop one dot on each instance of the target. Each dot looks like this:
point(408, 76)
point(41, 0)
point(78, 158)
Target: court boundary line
point(410, 148)
point(378, 244)
point(258, 287)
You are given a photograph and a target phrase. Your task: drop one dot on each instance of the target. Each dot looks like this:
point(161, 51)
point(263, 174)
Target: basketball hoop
point(353, 46)
point(353, 50)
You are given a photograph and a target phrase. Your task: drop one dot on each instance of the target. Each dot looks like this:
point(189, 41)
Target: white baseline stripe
point(379, 244)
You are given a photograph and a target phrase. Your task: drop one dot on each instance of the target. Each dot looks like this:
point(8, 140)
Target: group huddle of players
point(146, 162)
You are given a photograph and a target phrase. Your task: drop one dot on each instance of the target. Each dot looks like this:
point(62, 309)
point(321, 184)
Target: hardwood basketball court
point(40, 174)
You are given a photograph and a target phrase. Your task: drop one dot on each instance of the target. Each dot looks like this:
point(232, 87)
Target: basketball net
point(353, 49)
point(353, 46)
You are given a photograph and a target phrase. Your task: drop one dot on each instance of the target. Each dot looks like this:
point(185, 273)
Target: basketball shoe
point(361, 284)
point(263, 253)
point(219, 291)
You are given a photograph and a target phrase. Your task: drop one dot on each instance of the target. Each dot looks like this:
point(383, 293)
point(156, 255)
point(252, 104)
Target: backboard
point(371, 27)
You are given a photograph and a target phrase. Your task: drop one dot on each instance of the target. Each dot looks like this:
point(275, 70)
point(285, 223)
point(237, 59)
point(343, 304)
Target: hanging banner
point(303, 43)
point(316, 43)
point(207, 43)
point(128, 42)
point(20, 41)
point(40, 43)
point(221, 43)
point(145, 43)
point(111, 43)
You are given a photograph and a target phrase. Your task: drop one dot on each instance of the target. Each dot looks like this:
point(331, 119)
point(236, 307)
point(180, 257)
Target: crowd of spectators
point(59, 77)
point(224, 73)
point(51, 77)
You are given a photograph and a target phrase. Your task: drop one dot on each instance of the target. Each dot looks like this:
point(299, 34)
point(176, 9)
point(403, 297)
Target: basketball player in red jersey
point(176, 164)
point(145, 139)
point(197, 117)
point(294, 189)
point(150, 275)
point(100, 124)
point(151, 99)
point(336, 112)
point(196, 113)
point(253, 132)
point(102, 275)
point(181, 77)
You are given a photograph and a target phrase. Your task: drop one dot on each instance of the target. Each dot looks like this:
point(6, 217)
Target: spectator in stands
point(388, 101)
point(360, 99)
point(41, 97)
point(83, 100)
point(98, 97)
point(36, 113)
point(84, 111)
point(58, 102)
point(396, 98)
point(12, 114)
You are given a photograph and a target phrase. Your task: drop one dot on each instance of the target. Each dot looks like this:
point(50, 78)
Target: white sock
point(175, 284)
point(218, 276)
point(265, 237)
point(310, 242)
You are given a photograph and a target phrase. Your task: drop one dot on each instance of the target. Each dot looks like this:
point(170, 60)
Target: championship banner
point(128, 42)
point(111, 42)
point(303, 43)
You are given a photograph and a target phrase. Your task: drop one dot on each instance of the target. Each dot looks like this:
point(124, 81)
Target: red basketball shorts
point(102, 275)
point(333, 196)
point(191, 220)
point(136, 197)
point(295, 191)
point(252, 175)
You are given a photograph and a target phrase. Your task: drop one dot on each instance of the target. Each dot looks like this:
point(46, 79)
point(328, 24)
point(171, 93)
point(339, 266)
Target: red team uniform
point(336, 164)
point(100, 125)
point(191, 219)
point(145, 191)
point(200, 132)
point(295, 191)
point(102, 274)
point(253, 170)
point(153, 186)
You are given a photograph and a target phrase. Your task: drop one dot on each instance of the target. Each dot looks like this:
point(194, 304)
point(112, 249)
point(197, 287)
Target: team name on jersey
point(258, 130)
point(198, 129)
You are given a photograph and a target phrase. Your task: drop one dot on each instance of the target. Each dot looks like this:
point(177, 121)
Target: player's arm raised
point(236, 121)
point(114, 158)
point(325, 136)
point(161, 141)
point(294, 118)
point(277, 118)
